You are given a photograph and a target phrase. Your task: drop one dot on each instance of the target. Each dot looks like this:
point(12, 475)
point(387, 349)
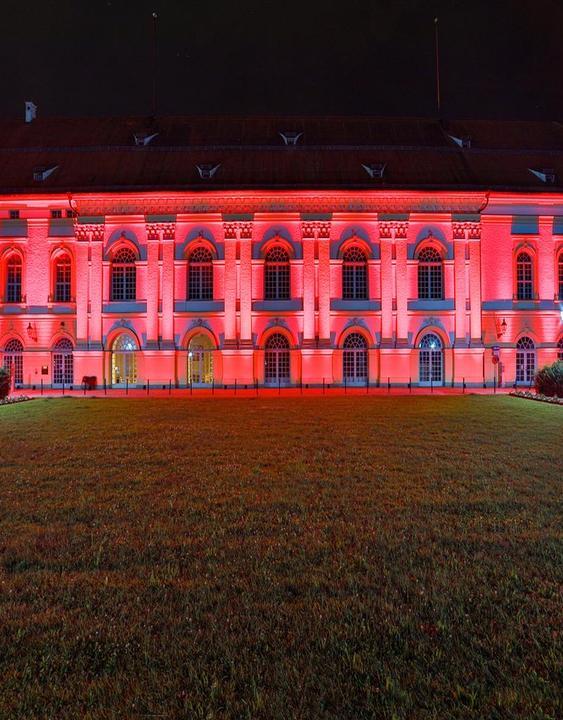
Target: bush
point(4, 383)
point(549, 380)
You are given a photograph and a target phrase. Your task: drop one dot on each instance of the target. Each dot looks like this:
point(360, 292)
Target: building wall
point(478, 319)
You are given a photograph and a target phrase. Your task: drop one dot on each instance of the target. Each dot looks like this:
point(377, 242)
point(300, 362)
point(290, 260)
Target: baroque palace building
point(279, 251)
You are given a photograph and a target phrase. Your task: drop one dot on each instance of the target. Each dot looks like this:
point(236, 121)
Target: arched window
point(62, 279)
point(63, 363)
point(355, 359)
point(354, 274)
point(276, 359)
point(14, 279)
point(430, 275)
point(13, 360)
point(200, 275)
point(200, 360)
point(524, 277)
point(525, 360)
point(124, 275)
point(124, 360)
point(276, 274)
point(431, 360)
point(560, 349)
point(560, 275)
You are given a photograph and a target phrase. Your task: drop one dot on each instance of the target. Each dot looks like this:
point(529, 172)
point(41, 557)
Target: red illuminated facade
point(216, 284)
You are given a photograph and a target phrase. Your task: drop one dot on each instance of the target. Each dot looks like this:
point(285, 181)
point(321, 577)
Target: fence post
point(256, 386)
point(388, 385)
point(84, 387)
point(410, 385)
point(148, 385)
point(367, 384)
point(345, 385)
point(494, 384)
point(431, 381)
point(191, 386)
point(235, 386)
point(464, 385)
point(127, 386)
point(63, 385)
point(213, 386)
point(279, 385)
point(41, 386)
point(105, 387)
point(170, 386)
point(323, 386)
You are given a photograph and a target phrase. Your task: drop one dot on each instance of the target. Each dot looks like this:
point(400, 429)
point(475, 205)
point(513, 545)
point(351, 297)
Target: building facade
point(365, 286)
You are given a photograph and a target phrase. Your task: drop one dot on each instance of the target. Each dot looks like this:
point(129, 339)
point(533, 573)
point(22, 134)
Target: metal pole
point(279, 385)
point(63, 385)
point(235, 386)
point(464, 385)
point(170, 386)
point(388, 385)
point(148, 386)
point(127, 385)
point(41, 386)
point(105, 387)
point(410, 385)
point(323, 386)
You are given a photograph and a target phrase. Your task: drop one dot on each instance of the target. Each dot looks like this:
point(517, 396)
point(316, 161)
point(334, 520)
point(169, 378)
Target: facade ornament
point(393, 229)
point(466, 230)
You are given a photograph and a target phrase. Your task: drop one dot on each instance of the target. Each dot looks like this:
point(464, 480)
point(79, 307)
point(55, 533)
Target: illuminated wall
point(370, 330)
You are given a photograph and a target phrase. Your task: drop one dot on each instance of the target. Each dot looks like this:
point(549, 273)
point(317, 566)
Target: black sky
point(500, 58)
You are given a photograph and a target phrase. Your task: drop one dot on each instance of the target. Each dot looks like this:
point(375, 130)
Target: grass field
point(281, 558)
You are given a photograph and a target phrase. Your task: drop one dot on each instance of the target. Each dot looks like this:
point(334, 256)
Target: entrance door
point(276, 370)
point(200, 361)
point(431, 360)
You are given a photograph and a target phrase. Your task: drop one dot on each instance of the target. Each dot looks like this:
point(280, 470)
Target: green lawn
point(307, 558)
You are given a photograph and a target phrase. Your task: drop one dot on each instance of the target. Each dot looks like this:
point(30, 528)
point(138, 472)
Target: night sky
point(500, 58)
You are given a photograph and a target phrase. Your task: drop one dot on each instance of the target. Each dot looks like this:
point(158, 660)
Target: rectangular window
point(14, 214)
point(56, 214)
point(430, 282)
point(62, 283)
point(525, 284)
point(123, 283)
point(14, 283)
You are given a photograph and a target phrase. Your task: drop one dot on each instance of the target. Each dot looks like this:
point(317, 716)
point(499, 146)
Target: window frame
point(123, 276)
point(277, 274)
point(430, 274)
point(355, 284)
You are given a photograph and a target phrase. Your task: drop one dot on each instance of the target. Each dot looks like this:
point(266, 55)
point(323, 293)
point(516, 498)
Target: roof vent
point(375, 170)
point(207, 171)
point(30, 111)
point(463, 142)
point(142, 139)
point(547, 176)
point(42, 173)
point(290, 138)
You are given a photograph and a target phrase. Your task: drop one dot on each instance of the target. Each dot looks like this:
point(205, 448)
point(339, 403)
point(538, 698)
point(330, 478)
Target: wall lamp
point(32, 331)
point(502, 328)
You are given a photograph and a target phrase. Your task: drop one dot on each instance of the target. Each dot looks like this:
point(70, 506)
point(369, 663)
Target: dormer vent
point(547, 176)
point(42, 173)
point(143, 139)
point(207, 171)
point(290, 138)
point(375, 170)
point(30, 111)
point(462, 142)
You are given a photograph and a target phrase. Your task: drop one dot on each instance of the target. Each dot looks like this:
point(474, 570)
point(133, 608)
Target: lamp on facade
point(32, 331)
point(502, 328)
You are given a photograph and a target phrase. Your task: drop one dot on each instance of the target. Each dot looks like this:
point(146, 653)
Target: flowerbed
point(14, 399)
point(528, 395)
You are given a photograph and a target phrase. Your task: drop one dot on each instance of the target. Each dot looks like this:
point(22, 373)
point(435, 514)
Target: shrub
point(4, 383)
point(549, 380)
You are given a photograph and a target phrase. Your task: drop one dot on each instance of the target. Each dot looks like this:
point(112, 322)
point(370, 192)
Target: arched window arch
point(560, 275)
point(62, 279)
point(63, 363)
point(13, 293)
point(13, 360)
point(200, 360)
point(524, 276)
point(124, 275)
point(430, 275)
point(200, 275)
point(276, 274)
point(354, 274)
point(355, 359)
point(525, 360)
point(124, 360)
point(431, 360)
point(276, 359)
point(560, 349)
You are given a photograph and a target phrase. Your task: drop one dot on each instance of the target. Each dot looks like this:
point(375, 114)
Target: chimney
point(30, 111)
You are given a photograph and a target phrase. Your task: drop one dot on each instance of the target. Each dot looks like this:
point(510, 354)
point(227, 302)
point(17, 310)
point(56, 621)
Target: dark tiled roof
point(100, 153)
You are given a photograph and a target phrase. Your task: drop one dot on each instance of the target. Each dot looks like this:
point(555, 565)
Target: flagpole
point(437, 66)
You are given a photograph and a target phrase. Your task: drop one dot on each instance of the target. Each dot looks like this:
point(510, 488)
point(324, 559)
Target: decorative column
point(395, 353)
point(460, 238)
point(322, 235)
point(88, 354)
point(469, 361)
point(387, 232)
point(401, 279)
point(316, 355)
point(230, 284)
point(168, 232)
point(244, 235)
point(153, 242)
point(308, 236)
